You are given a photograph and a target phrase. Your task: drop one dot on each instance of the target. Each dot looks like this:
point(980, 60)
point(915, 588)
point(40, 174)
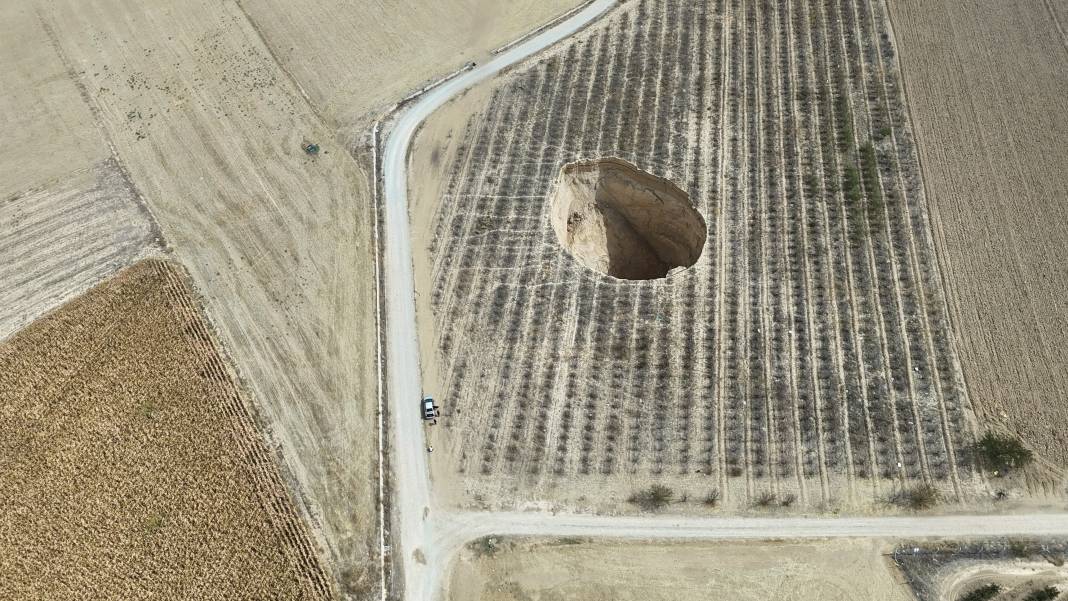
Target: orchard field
point(807, 354)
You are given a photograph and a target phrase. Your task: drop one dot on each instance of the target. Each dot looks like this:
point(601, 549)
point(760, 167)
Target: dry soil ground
point(132, 468)
point(988, 89)
point(806, 355)
point(195, 106)
point(59, 241)
point(608, 570)
point(1016, 579)
point(68, 215)
point(948, 570)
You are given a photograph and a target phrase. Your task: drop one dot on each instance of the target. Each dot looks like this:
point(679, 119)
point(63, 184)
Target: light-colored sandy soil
point(48, 129)
point(131, 467)
point(987, 84)
point(59, 241)
point(68, 215)
point(588, 571)
point(352, 57)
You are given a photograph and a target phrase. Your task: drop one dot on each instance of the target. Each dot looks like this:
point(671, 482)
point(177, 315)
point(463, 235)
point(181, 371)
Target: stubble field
point(132, 468)
point(807, 355)
point(59, 241)
point(584, 570)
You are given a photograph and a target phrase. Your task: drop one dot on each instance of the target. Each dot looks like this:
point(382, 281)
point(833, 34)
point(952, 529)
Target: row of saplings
point(988, 592)
point(999, 455)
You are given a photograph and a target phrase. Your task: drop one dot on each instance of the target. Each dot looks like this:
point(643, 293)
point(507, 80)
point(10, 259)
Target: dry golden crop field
point(132, 468)
point(987, 85)
point(805, 357)
point(602, 570)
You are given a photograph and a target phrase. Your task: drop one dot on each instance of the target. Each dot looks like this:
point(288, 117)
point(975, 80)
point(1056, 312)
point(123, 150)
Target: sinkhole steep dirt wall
point(624, 222)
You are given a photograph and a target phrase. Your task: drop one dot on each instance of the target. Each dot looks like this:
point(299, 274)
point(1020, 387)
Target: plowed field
point(988, 91)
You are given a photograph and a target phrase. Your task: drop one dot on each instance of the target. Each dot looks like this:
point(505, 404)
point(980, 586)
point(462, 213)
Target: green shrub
point(916, 498)
point(653, 498)
point(1002, 453)
point(1043, 594)
point(983, 593)
point(851, 179)
point(712, 499)
point(765, 499)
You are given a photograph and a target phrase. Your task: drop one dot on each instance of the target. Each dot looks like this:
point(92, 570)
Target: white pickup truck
point(429, 409)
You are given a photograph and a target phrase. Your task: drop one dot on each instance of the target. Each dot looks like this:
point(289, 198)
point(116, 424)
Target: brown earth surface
point(987, 84)
point(579, 570)
point(131, 466)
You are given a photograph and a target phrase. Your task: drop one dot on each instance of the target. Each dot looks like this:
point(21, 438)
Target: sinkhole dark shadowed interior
point(624, 222)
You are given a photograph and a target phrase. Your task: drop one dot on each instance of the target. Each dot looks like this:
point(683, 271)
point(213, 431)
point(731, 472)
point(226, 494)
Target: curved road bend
point(410, 475)
point(427, 540)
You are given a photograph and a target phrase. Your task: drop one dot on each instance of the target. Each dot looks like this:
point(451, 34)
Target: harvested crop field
point(988, 94)
point(59, 241)
point(131, 467)
point(807, 354)
point(580, 570)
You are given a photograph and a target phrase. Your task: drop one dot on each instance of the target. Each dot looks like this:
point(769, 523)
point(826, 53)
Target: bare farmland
point(581, 570)
point(988, 94)
point(352, 58)
point(807, 354)
point(59, 241)
point(131, 466)
point(49, 131)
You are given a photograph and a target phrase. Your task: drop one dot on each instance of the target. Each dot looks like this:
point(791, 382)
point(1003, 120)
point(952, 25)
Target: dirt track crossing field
point(131, 466)
point(807, 355)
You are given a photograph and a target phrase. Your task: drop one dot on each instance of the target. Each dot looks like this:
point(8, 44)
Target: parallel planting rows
point(807, 352)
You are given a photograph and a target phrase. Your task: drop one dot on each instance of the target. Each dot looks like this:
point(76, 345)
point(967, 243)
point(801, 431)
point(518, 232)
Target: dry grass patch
point(131, 469)
point(583, 570)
